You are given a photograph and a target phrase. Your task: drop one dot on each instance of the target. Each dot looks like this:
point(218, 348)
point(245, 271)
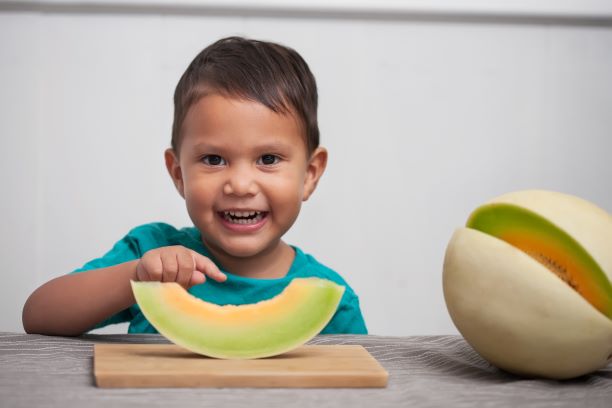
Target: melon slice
point(553, 247)
point(257, 330)
point(503, 292)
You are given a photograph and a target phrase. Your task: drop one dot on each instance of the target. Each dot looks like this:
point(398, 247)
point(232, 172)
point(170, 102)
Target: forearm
point(72, 304)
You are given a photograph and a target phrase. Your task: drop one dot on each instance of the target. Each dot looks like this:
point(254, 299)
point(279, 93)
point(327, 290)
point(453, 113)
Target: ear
point(174, 169)
point(314, 171)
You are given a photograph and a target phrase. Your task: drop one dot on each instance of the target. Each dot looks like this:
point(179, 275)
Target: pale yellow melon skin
point(514, 311)
point(588, 224)
point(517, 314)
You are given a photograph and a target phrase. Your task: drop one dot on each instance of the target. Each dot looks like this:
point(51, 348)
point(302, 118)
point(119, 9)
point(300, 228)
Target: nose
point(240, 182)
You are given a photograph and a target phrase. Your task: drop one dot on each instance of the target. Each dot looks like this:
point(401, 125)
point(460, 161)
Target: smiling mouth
point(243, 217)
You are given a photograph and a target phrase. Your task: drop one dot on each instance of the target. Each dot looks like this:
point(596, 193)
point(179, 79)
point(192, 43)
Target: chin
point(243, 252)
point(243, 249)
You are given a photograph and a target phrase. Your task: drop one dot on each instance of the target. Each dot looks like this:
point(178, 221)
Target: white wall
point(424, 119)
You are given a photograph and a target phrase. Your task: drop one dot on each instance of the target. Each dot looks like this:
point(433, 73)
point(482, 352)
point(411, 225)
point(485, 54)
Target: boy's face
point(244, 172)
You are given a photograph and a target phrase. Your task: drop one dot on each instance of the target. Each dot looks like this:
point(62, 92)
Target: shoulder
point(159, 230)
point(159, 234)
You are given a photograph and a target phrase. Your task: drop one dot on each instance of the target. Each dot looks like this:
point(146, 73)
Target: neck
point(273, 263)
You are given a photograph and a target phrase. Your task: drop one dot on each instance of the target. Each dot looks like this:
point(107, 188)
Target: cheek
point(286, 195)
point(199, 195)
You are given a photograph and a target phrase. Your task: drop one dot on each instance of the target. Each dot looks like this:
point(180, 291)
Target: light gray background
point(425, 117)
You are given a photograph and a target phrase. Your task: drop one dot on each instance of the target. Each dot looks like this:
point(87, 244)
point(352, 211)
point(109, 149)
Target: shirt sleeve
point(348, 318)
point(125, 250)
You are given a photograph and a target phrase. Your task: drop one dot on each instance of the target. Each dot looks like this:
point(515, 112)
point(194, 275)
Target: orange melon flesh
point(262, 329)
point(550, 245)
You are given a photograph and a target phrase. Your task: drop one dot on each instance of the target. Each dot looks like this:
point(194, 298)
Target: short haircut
point(271, 74)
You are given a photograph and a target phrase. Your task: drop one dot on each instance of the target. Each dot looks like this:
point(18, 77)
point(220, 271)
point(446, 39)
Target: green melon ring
point(257, 330)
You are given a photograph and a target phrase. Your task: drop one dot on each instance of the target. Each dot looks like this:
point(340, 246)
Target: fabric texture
point(424, 372)
point(236, 290)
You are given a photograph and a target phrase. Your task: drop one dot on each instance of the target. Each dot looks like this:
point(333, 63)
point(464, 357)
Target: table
point(424, 371)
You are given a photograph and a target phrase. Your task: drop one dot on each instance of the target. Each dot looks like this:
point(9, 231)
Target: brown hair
point(271, 74)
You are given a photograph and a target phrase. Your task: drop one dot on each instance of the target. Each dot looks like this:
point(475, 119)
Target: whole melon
point(527, 283)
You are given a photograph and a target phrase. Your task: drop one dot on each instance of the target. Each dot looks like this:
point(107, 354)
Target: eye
point(213, 160)
point(268, 159)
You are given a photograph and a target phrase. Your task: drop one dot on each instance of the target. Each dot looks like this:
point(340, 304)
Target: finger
point(151, 269)
point(208, 267)
point(197, 278)
point(170, 265)
point(186, 266)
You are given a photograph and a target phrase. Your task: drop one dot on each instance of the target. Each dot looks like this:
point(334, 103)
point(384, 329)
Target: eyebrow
point(274, 146)
point(205, 146)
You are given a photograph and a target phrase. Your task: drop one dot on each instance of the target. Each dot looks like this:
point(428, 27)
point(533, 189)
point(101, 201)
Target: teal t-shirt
point(236, 290)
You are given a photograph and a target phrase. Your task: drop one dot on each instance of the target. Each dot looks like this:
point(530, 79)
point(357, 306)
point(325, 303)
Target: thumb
point(197, 278)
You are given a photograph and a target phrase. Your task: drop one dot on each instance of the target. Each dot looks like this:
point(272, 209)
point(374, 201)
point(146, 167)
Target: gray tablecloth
point(424, 371)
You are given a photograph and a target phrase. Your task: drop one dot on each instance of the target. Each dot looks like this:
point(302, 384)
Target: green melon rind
point(282, 334)
point(499, 218)
point(584, 221)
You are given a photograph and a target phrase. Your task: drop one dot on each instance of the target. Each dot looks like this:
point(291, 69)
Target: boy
point(244, 155)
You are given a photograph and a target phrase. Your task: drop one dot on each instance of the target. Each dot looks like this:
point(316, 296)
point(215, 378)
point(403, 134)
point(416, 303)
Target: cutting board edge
point(113, 381)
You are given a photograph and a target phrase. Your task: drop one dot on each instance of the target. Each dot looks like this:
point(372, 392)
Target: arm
point(72, 304)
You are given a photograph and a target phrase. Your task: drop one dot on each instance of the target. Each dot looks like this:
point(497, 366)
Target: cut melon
point(257, 330)
point(503, 292)
point(550, 245)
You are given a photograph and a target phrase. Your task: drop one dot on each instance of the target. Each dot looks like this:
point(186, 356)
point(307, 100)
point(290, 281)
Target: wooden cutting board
point(168, 365)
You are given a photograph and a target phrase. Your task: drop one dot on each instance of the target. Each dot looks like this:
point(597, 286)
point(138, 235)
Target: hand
point(177, 264)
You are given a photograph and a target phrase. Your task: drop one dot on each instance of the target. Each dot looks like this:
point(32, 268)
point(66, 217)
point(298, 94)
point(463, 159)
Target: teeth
point(239, 217)
point(242, 213)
